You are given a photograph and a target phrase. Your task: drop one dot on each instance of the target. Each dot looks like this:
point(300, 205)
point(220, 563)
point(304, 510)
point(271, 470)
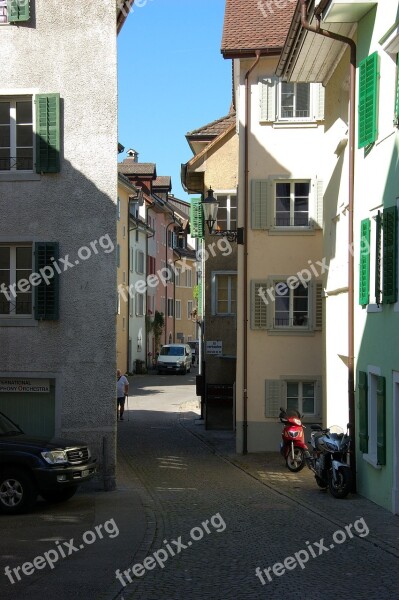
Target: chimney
point(133, 155)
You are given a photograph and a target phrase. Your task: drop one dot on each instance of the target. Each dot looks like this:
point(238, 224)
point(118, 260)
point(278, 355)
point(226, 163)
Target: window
point(124, 277)
point(13, 11)
point(368, 100)
point(170, 307)
point(131, 258)
point(224, 293)
point(284, 304)
point(118, 255)
point(177, 276)
point(227, 211)
point(139, 305)
point(293, 393)
point(278, 203)
point(292, 204)
point(397, 92)
point(130, 306)
point(291, 306)
point(294, 100)
point(285, 102)
point(171, 239)
point(139, 261)
point(189, 309)
point(372, 417)
point(178, 309)
point(15, 268)
point(189, 278)
point(16, 134)
point(151, 265)
point(124, 231)
point(118, 208)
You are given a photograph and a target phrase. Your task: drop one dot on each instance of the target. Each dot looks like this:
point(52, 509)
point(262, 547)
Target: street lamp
point(210, 207)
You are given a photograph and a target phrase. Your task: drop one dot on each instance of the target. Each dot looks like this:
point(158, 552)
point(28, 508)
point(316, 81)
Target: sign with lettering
point(215, 347)
point(23, 385)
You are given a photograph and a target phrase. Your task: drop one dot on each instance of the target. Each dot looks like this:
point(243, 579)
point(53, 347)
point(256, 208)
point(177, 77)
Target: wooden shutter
point(377, 287)
point(18, 10)
point(318, 313)
point(259, 201)
point(364, 270)
point(390, 258)
point(47, 133)
point(274, 397)
point(363, 413)
point(367, 111)
point(47, 294)
point(196, 219)
point(318, 204)
point(258, 305)
point(267, 98)
point(318, 93)
point(381, 422)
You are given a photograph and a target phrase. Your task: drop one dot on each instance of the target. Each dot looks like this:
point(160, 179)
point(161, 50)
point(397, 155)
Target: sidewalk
point(269, 469)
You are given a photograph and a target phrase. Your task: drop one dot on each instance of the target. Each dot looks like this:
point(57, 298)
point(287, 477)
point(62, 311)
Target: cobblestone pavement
point(185, 483)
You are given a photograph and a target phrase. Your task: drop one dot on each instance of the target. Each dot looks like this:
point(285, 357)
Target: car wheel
point(59, 495)
point(18, 492)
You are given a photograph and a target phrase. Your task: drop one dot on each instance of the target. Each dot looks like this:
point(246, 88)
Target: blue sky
point(172, 79)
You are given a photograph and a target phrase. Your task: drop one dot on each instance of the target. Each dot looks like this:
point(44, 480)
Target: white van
point(174, 358)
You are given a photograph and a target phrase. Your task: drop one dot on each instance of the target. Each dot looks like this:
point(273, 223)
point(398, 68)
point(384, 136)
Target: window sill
point(18, 322)
point(292, 231)
point(373, 308)
point(295, 124)
point(371, 460)
point(19, 177)
point(291, 332)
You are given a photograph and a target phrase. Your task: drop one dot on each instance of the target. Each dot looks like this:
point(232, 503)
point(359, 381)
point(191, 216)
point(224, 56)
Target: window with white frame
point(189, 309)
point(178, 309)
point(189, 277)
point(293, 393)
point(170, 307)
point(16, 289)
point(286, 102)
point(294, 100)
point(291, 306)
point(3, 11)
point(301, 397)
point(227, 210)
point(16, 134)
point(177, 276)
point(139, 261)
point(139, 305)
point(291, 203)
point(224, 293)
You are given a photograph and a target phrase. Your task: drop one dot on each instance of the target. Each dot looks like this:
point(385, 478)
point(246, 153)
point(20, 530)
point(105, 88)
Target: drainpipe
point(166, 285)
point(245, 274)
point(352, 96)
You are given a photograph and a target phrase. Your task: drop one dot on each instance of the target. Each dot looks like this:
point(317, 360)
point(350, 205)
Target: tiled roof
point(126, 181)
point(215, 128)
point(129, 167)
point(251, 25)
point(162, 181)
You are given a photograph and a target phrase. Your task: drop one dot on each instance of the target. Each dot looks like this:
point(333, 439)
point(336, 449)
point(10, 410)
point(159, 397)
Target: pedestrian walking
point(122, 391)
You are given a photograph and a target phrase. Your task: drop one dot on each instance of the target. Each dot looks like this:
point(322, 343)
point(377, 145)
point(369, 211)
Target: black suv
point(30, 466)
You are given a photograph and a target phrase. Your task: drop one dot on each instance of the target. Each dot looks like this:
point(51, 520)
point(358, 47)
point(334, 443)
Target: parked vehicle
point(293, 446)
point(328, 459)
point(174, 358)
point(29, 466)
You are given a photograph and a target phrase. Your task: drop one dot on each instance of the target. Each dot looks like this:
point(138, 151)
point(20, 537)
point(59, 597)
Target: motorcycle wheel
point(297, 463)
point(321, 483)
point(343, 484)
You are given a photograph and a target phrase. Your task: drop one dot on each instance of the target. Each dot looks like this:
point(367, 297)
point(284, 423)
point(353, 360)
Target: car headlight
point(55, 457)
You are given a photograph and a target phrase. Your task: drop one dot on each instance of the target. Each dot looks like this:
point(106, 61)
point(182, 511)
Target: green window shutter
point(18, 10)
point(48, 133)
point(274, 397)
point(258, 305)
point(363, 413)
point(390, 258)
point(47, 294)
point(397, 92)
point(196, 218)
point(381, 422)
point(259, 193)
point(364, 271)
point(367, 109)
point(377, 288)
point(267, 98)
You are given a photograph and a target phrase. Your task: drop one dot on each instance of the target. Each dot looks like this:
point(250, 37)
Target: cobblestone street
point(269, 515)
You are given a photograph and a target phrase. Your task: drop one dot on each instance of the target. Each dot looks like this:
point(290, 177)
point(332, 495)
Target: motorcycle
point(328, 460)
point(293, 446)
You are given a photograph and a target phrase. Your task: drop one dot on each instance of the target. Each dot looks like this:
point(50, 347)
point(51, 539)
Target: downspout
point(245, 273)
point(352, 96)
point(147, 209)
point(166, 285)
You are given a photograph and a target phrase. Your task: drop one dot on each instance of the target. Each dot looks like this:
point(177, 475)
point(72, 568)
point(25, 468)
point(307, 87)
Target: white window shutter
point(318, 101)
point(258, 305)
point(318, 202)
point(259, 193)
point(273, 397)
point(267, 98)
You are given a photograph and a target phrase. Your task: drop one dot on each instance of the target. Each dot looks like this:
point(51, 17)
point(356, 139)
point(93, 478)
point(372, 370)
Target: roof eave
point(249, 52)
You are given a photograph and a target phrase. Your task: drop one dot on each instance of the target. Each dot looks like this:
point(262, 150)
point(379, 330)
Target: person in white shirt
point(122, 390)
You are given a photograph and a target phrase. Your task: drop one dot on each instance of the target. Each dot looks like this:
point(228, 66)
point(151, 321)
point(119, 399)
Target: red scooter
point(293, 446)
